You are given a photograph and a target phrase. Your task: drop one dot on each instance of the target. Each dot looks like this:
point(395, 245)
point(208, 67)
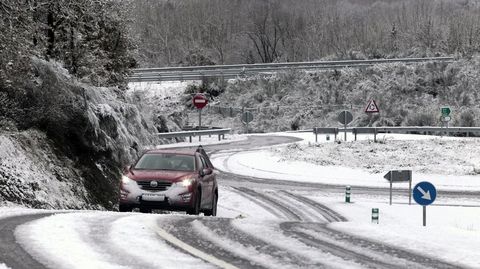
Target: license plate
point(153, 197)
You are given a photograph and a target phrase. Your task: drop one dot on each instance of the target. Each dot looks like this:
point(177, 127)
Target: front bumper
point(175, 197)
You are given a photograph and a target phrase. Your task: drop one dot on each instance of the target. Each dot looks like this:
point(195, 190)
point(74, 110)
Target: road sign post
point(445, 118)
point(200, 101)
point(247, 117)
point(399, 176)
point(345, 117)
point(424, 193)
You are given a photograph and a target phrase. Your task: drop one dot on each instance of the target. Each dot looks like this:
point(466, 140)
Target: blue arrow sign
point(424, 193)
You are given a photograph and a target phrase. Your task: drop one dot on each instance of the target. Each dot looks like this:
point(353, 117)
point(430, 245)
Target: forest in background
point(199, 32)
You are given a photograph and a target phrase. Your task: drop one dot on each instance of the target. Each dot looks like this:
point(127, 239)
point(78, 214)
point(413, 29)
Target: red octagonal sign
point(200, 101)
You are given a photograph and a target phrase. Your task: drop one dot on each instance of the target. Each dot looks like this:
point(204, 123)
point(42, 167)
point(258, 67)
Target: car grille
point(161, 185)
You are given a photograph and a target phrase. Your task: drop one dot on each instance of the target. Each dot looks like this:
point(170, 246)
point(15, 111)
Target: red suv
point(171, 180)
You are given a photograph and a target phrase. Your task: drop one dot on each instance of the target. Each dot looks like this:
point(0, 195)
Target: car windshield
point(166, 161)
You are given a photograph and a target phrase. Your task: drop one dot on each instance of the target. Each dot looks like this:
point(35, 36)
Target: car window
point(204, 162)
point(162, 161)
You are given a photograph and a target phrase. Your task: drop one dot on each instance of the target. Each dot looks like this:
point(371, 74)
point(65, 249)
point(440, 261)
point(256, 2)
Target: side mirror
point(206, 171)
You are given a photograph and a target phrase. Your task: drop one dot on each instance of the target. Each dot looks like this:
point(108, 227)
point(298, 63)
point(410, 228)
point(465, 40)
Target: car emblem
point(153, 184)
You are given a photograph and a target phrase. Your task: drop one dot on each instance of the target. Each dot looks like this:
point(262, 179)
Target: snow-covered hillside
point(73, 158)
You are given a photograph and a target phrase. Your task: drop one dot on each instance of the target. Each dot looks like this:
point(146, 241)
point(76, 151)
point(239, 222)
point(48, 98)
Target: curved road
point(301, 222)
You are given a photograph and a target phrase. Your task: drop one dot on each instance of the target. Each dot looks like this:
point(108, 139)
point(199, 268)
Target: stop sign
point(200, 101)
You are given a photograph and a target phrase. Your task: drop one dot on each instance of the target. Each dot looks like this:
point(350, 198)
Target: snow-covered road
point(261, 223)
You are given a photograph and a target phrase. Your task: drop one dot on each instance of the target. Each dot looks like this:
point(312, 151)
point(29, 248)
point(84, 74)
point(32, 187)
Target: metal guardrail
point(401, 129)
point(234, 71)
point(220, 132)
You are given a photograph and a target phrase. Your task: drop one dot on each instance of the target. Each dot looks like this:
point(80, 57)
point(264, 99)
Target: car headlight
point(186, 182)
point(126, 180)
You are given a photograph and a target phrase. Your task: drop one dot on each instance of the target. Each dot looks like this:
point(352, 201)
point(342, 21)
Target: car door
point(208, 181)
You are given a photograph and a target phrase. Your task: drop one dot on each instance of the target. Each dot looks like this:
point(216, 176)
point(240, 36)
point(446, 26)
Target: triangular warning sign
point(372, 107)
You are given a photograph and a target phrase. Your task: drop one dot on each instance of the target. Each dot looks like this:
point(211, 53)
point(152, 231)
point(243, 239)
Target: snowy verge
point(452, 233)
point(288, 163)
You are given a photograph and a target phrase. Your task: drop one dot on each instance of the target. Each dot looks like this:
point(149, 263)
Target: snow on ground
point(269, 232)
point(205, 140)
point(101, 240)
point(452, 232)
point(89, 239)
point(233, 205)
point(3, 266)
point(116, 240)
point(446, 162)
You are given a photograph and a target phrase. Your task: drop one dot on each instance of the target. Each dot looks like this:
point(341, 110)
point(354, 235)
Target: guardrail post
point(375, 135)
point(219, 137)
point(355, 133)
point(336, 132)
point(316, 134)
point(190, 139)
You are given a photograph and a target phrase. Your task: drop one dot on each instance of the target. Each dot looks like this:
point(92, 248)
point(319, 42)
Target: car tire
point(195, 210)
point(213, 211)
point(124, 208)
point(145, 210)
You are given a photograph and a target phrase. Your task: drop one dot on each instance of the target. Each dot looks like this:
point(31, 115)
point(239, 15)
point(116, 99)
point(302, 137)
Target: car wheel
point(145, 210)
point(124, 208)
point(213, 211)
point(196, 208)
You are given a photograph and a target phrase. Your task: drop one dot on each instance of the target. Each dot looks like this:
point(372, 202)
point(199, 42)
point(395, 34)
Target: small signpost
point(445, 111)
point(347, 194)
point(345, 117)
point(400, 176)
point(375, 214)
point(372, 107)
point(247, 117)
point(424, 193)
point(445, 116)
point(200, 101)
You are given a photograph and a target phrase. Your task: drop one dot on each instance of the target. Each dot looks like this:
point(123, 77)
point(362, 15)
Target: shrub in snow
point(405, 94)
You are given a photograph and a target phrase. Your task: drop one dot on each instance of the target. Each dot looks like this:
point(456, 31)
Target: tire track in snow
point(224, 229)
point(98, 237)
point(344, 250)
point(291, 229)
point(181, 228)
point(324, 246)
point(278, 206)
point(329, 214)
point(274, 211)
point(323, 235)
